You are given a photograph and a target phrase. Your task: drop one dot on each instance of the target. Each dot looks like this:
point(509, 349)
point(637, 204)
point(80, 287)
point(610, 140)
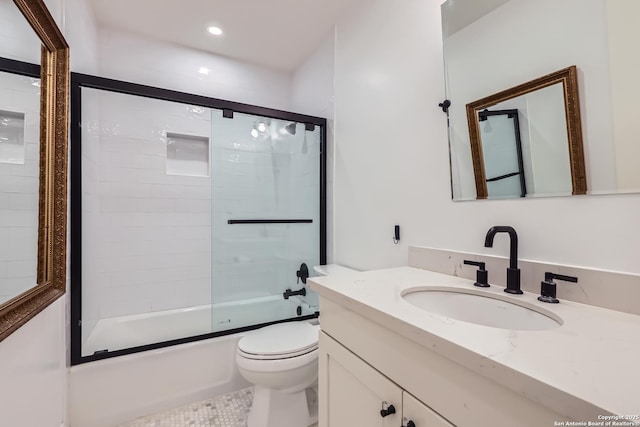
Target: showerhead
point(291, 128)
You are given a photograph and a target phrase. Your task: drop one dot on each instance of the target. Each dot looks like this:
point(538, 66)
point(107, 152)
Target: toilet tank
point(332, 269)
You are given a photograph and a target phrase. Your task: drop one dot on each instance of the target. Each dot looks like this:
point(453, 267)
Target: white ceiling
point(275, 33)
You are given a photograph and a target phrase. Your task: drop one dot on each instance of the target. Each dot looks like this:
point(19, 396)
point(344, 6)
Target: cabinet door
point(352, 392)
point(420, 414)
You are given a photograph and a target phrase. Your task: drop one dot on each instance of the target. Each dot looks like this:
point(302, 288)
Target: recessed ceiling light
point(204, 70)
point(216, 31)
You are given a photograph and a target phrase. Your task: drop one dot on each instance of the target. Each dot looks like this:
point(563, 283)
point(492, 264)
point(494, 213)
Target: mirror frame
point(569, 79)
point(52, 204)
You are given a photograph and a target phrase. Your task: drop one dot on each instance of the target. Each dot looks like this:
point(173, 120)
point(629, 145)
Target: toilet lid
point(282, 339)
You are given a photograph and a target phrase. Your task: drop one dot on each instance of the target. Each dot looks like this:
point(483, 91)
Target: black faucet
point(289, 293)
point(548, 286)
point(513, 272)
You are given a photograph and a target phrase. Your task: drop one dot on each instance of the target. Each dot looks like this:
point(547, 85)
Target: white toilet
point(282, 361)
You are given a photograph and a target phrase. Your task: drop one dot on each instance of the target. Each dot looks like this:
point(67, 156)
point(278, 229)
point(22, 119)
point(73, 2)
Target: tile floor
point(228, 410)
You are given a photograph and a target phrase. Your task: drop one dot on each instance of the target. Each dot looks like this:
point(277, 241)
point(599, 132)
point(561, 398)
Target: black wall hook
point(445, 105)
point(396, 234)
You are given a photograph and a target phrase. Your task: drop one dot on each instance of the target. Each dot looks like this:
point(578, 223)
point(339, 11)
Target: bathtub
point(111, 391)
point(116, 333)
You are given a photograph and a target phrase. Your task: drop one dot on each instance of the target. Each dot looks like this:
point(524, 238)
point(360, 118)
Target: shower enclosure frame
point(79, 81)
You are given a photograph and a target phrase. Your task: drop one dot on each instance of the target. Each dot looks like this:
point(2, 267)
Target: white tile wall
point(19, 187)
point(33, 372)
point(262, 178)
point(146, 234)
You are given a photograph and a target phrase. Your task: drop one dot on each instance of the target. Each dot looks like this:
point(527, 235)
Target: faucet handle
point(548, 286)
point(303, 273)
point(482, 275)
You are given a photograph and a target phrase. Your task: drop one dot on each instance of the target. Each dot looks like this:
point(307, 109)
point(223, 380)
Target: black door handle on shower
point(269, 221)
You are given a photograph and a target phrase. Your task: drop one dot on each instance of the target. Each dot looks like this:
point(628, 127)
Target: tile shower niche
point(12, 137)
point(187, 155)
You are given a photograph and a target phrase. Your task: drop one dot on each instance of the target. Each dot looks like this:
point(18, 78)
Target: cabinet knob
point(389, 411)
point(410, 424)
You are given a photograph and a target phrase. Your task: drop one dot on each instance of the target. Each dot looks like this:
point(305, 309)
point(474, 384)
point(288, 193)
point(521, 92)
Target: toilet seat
point(280, 341)
point(277, 356)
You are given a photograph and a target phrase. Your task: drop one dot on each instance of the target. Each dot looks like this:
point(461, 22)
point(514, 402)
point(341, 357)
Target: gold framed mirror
point(563, 85)
point(52, 199)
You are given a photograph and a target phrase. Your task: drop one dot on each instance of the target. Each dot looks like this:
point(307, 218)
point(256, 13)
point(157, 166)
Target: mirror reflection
point(527, 141)
point(498, 44)
point(19, 153)
point(502, 153)
point(19, 184)
point(18, 40)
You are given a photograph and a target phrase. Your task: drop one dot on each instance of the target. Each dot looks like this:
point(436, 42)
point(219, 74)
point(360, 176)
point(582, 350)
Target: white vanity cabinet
point(420, 414)
point(363, 363)
point(355, 394)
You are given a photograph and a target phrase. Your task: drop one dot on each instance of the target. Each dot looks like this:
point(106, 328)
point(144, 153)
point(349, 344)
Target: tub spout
point(289, 293)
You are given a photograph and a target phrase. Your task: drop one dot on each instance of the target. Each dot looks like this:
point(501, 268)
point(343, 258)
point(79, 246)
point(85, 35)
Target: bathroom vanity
point(379, 350)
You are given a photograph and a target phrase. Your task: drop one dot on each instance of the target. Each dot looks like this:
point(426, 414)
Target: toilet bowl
point(282, 362)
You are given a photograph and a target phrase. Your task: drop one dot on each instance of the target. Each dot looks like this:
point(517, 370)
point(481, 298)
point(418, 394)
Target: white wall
point(312, 93)
point(623, 36)
point(312, 82)
point(33, 392)
point(137, 59)
point(81, 32)
point(392, 161)
point(390, 136)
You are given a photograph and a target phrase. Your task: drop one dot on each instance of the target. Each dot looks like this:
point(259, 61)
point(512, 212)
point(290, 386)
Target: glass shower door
point(502, 152)
point(265, 183)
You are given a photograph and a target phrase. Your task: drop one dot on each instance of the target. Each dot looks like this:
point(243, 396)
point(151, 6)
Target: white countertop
point(592, 359)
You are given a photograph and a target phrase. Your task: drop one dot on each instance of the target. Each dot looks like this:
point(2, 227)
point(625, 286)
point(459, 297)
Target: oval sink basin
point(481, 308)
